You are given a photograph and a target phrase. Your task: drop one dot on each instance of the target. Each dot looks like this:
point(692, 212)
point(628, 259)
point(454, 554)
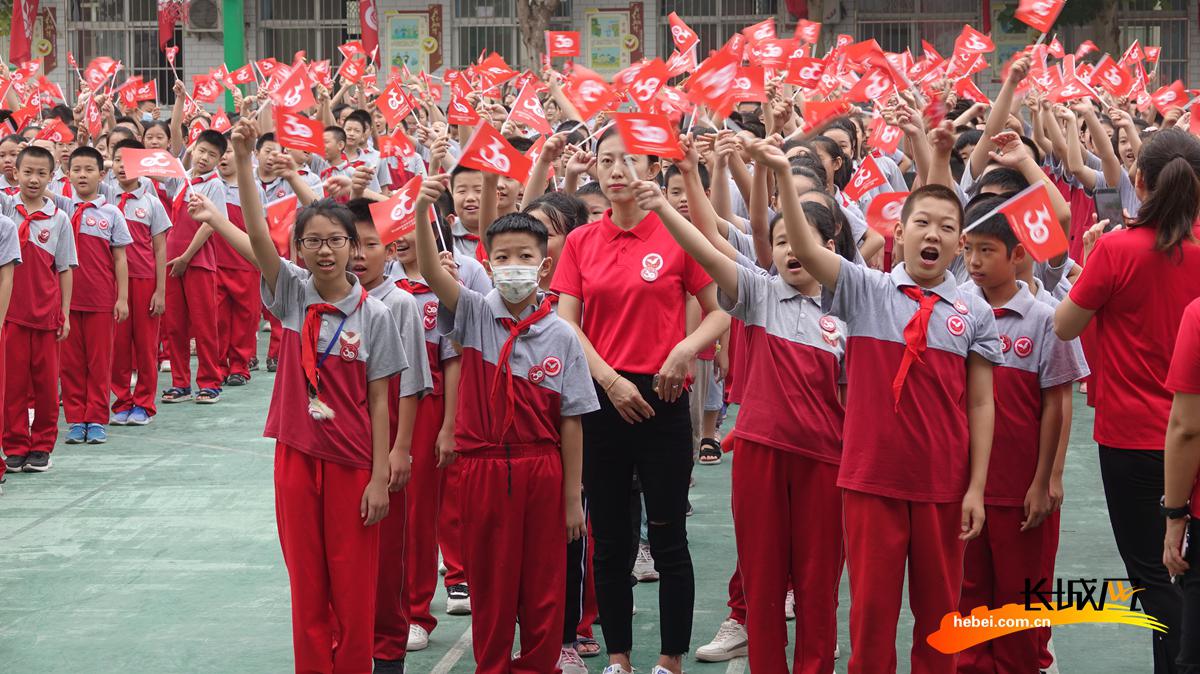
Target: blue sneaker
point(77, 434)
point(120, 418)
point(96, 434)
point(139, 417)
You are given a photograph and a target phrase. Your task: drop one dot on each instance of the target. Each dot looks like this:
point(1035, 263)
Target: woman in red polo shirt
point(1136, 285)
point(623, 281)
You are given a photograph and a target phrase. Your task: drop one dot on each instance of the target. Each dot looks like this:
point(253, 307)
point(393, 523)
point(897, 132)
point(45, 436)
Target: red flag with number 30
point(562, 43)
point(281, 215)
point(645, 133)
point(1032, 218)
point(299, 132)
point(490, 152)
point(1039, 14)
point(866, 178)
point(884, 212)
point(397, 216)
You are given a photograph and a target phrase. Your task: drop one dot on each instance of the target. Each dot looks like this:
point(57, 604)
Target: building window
point(491, 25)
point(125, 30)
point(715, 21)
point(902, 24)
point(317, 27)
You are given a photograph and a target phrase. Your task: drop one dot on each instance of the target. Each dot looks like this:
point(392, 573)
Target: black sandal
point(710, 452)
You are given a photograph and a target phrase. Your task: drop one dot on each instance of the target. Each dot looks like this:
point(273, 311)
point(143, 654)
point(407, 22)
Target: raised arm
point(243, 137)
point(998, 116)
point(439, 280)
point(1109, 162)
point(822, 263)
point(721, 268)
point(551, 151)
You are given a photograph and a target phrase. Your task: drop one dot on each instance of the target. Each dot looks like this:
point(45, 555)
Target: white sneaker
point(643, 566)
point(570, 662)
point(1053, 668)
point(659, 669)
point(837, 652)
point(418, 638)
point(458, 600)
point(789, 606)
point(616, 669)
point(729, 643)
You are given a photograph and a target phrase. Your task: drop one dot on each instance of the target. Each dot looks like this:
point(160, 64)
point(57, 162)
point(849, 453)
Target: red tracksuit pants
point(332, 561)
point(239, 305)
point(995, 568)
point(883, 537)
point(516, 531)
point(3, 333)
point(1049, 553)
point(424, 493)
point(135, 349)
point(449, 531)
point(86, 362)
point(776, 491)
point(391, 611)
point(31, 381)
point(192, 314)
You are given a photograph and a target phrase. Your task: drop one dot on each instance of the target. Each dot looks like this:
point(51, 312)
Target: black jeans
point(660, 450)
point(1133, 484)
point(1189, 650)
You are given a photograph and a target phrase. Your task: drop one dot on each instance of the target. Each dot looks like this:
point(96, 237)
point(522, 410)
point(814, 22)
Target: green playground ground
point(157, 552)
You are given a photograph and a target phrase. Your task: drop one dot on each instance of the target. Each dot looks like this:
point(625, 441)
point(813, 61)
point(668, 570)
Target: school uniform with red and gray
point(344, 167)
point(520, 378)
point(906, 471)
point(135, 342)
point(789, 445)
point(998, 563)
point(10, 253)
point(237, 296)
point(192, 298)
point(87, 353)
point(391, 610)
point(322, 467)
point(279, 188)
point(31, 327)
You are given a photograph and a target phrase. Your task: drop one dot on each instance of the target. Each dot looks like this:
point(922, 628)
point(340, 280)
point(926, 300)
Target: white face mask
point(515, 281)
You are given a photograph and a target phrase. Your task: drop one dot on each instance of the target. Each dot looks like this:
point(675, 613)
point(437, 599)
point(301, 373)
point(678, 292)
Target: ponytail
point(1169, 163)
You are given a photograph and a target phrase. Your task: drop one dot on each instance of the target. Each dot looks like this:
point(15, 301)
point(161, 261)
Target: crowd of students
point(525, 376)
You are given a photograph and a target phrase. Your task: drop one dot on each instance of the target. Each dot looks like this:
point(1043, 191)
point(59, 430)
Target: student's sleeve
point(474, 276)
point(465, 323)
point(567, 279)
point(120, 234)
point(1061, 361)
point(64, 252)
point(741, 241)
point(578, 391)
point(10, 243)
point(314, 184)
point(985, 338)
point(1184, 375)
point(1097, 283)
point(64, 204)
point(752, 293)
point(416, 380)
point(855, 285)
point(317, 164)
point(216, 191)
point(287, 296)
point(386, 356)
point(1129, 197)
point(172, 186)
point(383, 174)
point(159, 220)
point(1049, 275)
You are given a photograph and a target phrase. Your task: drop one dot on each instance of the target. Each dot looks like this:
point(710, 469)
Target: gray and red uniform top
point(99, 227)
point(47, 248)
point(280, 188)
point(416, 379)
point(356, 344)
point(1033, 358)
point(520, 377)
point(794, 354)
point(146, 218)
point(223, 253)
point(185, 227)
point(914, 447)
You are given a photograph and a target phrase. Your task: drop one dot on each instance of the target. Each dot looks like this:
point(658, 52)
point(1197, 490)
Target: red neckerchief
point(123, 199)
point(77, 217)
point(503, 369)
point(915, 335)
point(66, 189)
point(310, 334)
point(23, 229)
point(412, 287)
point(182, 196)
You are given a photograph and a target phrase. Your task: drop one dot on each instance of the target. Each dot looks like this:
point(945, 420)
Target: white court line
point(453, 655)
point(736, 666)
point(236, 450)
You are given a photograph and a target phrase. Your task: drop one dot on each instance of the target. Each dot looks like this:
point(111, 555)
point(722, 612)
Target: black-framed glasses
point(315, 242)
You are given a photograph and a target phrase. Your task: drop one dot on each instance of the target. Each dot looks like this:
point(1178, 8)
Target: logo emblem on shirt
point(44, 236)
point(348, 345)
point(279, 193)
point(651, 264)
point(537, 374)
point(956, 325)
point(827, 324)
point(1023, 346)
point(961, 307)
point(90, 221)
point(139, 212)
point(829, 330)
point(1005, 343)
point(431, 309)
point(552, 366)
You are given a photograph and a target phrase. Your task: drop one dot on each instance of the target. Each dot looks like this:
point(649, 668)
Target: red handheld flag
point(397, 216)
point(352, 70)
point(817, 113)
point(394, 103)
point(883, 213)
point(205, 88)
point(1112, 77)
point(56, 132)
point(588, 92)
point(1031, 216)
point(1151, 53)
point(151, 163)
point(749, 85)
point(527, 110)
point(299, 132)
point(460, 112)
point(281, 215)
point(24, 14)
point(243, 75)
point(1171, 96)
point(866, 178)
point(874, 86)
point(490, 152)
point(884, 137)
point(1039, 14)
point(295, 93)
point(808, 31)
point(146, 91)
point(763, 30)
point(562, 43)
point(647, 81)
point(974, 42)
point(966, 88)
point(220, 122)
point(683, 37)
point(805, 72)
point(368, 15)
point(645, 133)
point(169, 13)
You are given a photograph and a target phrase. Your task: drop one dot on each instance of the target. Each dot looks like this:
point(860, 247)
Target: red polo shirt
point(1184, 375)
point(632, 285)
point(1139, 295)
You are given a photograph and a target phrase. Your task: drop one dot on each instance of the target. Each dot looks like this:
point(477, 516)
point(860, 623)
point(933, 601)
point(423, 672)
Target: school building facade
point(434, 34)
